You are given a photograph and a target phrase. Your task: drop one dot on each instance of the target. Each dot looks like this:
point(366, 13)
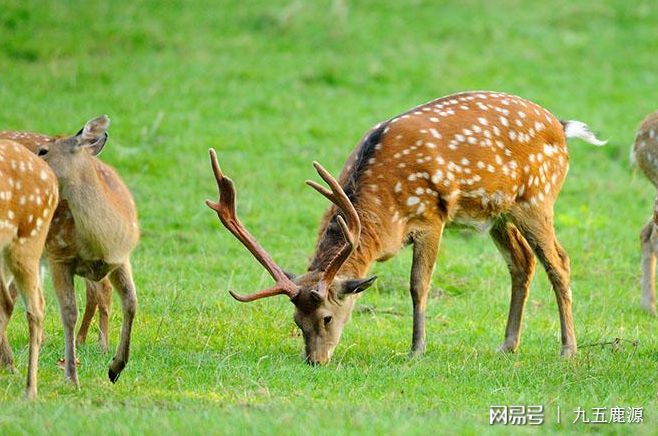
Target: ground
point(273, 85)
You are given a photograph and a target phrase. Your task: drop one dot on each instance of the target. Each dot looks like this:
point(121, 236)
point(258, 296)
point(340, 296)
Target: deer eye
point(327, 319)
point(42, 152)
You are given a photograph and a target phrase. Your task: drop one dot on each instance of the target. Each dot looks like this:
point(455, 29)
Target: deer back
point(464, 158)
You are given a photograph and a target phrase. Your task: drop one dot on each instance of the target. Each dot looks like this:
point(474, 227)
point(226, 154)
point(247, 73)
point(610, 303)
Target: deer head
point(65, 155)
point(323, 299)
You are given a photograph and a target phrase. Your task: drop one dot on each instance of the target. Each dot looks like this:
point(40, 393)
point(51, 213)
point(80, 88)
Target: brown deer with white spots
point(93, 233)
point(644, 155)
point(98, 294)
point(490, 160)
point(28, 198)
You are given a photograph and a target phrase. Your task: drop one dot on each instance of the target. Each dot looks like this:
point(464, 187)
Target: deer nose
point(315, 360)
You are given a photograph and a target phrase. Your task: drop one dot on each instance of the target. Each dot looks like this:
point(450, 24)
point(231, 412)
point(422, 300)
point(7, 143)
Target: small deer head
point(321, 318)
point(66, 153)
point(323, 299)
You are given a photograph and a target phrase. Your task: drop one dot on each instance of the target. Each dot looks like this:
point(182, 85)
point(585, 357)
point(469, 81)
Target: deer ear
point(93, 135)
point(355, 286)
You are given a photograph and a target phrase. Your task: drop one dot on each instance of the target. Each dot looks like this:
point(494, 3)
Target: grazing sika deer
point(93, 233)
point(28, 197)
point(485, 159)
point(645, 155)
point(99, 294)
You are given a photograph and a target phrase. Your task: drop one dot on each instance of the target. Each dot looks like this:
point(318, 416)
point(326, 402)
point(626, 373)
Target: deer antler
point(350, 225)
point(225, 209)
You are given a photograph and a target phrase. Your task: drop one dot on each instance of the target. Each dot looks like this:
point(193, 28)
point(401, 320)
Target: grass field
point(274, 85)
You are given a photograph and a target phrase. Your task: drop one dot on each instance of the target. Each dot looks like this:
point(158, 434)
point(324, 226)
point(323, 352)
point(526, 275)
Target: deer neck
point(100, 228)
point(367, 250)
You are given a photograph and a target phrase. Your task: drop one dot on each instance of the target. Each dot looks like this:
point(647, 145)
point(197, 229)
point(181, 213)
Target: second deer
point(644, 155)
point(490, 160)
point(98, 294)
point(92, 234)
point(28, 197)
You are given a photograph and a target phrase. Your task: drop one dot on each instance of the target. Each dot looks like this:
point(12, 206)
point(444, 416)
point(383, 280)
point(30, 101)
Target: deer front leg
point(425, 248)
point(521, 264)
point(7, 302)
point(62, 274)
point(26, 277)
point(122, 281)
point(649, 240)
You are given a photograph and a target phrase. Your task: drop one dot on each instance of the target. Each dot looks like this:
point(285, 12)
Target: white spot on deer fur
point(419, 191)
point(398, 187)
point(465, 161)
point(504, 121)
point(411, 177)
point(460, 138)
point(434, 119)
point(412, 200)
point(491, 168)
point(437, 177)
point(43, 175)
point(472, 140)
point(549, 150)
point(483, 121)
point(435, 133)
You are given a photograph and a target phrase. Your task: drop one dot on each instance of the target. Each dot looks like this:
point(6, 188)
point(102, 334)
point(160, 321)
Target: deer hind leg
point(104, 301)
point(649, 240)
point(63, 283)
point(122, 281)
point(537, 227)
point(521, 265)
point(90, 310)
point(25, 269)
point(425, 248)
point(99, 295)
point(7, 302)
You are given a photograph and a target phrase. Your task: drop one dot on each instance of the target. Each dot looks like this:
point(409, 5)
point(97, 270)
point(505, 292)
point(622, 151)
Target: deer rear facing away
point(93, 233)
point(98, 294)
point(28, 197)
point(485, 159)
point(645, 155)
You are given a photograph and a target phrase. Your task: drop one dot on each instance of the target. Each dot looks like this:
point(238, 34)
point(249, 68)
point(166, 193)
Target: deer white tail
point(580, 130)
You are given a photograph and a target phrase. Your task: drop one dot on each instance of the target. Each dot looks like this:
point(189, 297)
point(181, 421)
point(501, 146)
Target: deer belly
point(480, 224)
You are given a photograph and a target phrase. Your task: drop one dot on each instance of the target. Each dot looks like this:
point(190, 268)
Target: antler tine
point(350, 225)
point(225, 209)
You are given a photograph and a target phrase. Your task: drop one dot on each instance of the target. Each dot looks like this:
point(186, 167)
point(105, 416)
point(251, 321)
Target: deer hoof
point(568, 351)
point(113, 376)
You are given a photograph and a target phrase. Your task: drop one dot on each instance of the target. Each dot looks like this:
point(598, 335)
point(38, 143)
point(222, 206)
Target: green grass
point(273, 85)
